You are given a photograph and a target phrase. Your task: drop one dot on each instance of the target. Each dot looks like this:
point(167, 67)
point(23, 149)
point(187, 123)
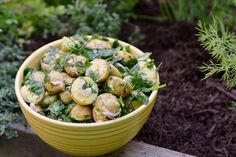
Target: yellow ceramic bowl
point(82, 139)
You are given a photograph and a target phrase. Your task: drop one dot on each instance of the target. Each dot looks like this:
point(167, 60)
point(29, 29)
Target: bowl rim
point(24, 105)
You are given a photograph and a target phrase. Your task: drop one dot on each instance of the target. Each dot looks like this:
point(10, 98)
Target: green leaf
point(122, 104)
point(35, 87)
point(116, 44)
point(69, 107)
point(154, 87)
point(55, 109)
point(144, 57)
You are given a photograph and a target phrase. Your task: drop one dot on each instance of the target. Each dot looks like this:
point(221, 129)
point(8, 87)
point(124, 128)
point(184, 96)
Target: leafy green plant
point(183, 10)
point(122, 7)
point(10, 58)
point(233, 106)
point(85, 18)
point(203, 10)
point(19, 20)
point(221, 44)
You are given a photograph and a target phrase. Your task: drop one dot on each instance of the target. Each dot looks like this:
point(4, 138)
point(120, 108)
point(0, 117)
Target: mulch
point(191, 115)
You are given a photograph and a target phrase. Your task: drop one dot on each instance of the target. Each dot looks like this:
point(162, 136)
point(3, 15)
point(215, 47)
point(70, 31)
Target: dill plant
point(221, 44)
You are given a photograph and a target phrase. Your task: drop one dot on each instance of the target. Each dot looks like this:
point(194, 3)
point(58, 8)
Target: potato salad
point(89, 79)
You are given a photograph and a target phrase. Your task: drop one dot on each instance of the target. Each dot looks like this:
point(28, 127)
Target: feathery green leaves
point(221, 44)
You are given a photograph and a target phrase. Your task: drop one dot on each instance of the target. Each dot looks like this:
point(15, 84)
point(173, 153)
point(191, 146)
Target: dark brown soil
point(192, 115)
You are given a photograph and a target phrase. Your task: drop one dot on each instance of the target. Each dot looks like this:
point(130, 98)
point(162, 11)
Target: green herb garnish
point(35, 87)
point(154, 87)
point(144, 57)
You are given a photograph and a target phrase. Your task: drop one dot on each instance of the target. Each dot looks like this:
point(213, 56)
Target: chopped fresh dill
point(35, 87)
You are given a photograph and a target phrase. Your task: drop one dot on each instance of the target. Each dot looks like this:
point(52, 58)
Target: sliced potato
point(48, 99)
point(149, 74)
point(119, 86)
point(67, 43)
point(106, 107)
point(128, 78)
point(36, 108)
point(76, 66)
point(31, 96)
point(54, 87)
point(136, 104)
point(98, 44)
point(114, 71)
point(81, 112)
point(55, 83)
point(99, 70)
point(98, 116)
point(49, 59)
point(38, 76)
point(60, 76)
point(128, 58)
point(65, 97)
point(84, 91)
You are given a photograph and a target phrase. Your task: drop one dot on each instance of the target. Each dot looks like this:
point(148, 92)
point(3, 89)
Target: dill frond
point(222, 47)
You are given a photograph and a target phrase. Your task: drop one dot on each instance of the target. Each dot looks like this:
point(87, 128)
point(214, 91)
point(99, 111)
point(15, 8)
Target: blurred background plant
point(10, 59)
point(203, 10)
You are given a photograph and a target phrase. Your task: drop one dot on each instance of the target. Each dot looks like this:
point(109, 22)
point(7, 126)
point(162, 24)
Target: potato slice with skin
point(128, 58)
point(149, 74)
point(98, 116)
point(56, 82)
point(38, 76)
point(81, 113)
point(31, 97)
point(60, 76)
point(136, 104)
point(67, 79)
point(76, 66)
point(67, 42)
point(48, 99)
point(48, 61)
point(65, 97)
point(84, 91)
point(99, 70)
point(125, 55)
point(98, 44)
point(114, 71)
point(37, 108)
point(106, 107)
point(54, 87)
point(119, 86)
point(128, 78)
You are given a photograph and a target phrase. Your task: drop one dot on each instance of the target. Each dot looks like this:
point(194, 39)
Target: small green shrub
point(10, 59)
point(86, 19)
point(20, 20)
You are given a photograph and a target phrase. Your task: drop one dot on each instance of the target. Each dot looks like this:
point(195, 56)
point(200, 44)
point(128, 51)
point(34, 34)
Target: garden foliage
point(22, 21)
point(203, 10)
point(10, 59)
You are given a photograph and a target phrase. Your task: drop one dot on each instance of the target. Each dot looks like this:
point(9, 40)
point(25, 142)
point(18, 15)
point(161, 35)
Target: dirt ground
point(192, 115)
